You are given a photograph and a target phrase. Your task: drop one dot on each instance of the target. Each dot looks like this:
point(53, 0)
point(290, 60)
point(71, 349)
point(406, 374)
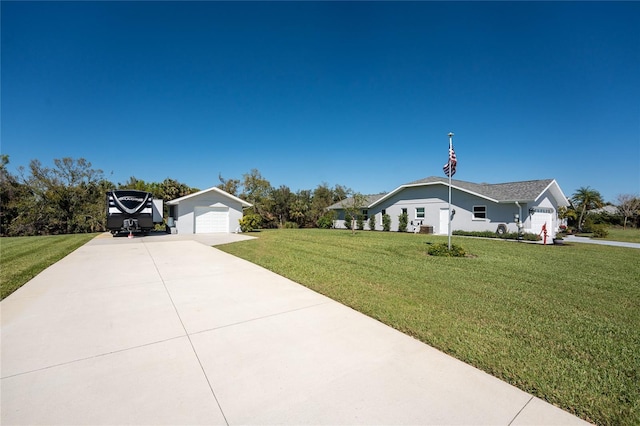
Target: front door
point(444, 222)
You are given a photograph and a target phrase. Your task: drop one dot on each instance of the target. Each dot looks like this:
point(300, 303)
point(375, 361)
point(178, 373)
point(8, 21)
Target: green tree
point(137, 184)
point(353, 206)
point(568, 213)
point(94, 212)
point(585, 199)
point(62, 199)
point(281, 199)
point(340, 193)
point(170, 189)
point(230, 186)
point(300, 208)
point(257, 190)
point(324, 196)
point(11, 192)
point(321, 199)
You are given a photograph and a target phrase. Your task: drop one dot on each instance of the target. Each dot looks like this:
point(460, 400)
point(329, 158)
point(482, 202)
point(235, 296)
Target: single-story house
point(210, 210)
point(474, 206)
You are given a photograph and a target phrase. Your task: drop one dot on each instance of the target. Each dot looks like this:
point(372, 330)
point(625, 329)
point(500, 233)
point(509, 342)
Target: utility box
point(424, 229)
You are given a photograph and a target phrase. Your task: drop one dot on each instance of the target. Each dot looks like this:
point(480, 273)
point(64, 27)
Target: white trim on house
point(212, 189)
point(484, 211)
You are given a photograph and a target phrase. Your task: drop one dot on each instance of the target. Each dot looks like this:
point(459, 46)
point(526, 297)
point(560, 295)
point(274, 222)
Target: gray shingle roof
point(528, 190)
point(370, 199)
point(511, 191)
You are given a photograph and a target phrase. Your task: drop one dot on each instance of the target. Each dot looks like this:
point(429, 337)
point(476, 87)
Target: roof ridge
point(440, 179)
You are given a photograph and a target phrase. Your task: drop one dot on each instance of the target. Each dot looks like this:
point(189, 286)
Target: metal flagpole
point(449, 211)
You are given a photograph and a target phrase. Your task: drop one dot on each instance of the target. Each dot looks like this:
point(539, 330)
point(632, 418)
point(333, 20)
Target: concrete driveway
point(167, 330)
point(576, 239)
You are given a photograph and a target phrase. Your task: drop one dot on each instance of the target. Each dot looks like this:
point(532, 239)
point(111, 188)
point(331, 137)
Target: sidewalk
point(149, 331)
point(587, 240)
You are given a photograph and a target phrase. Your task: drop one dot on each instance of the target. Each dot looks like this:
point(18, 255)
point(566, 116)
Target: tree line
point(580, 214)
point(70, 197)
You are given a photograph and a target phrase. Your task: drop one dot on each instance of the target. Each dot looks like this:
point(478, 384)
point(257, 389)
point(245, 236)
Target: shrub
point(442, 249)
point(348, 220)
point(587, 224)
point(250, 222)
point(485, 234)
point(372, 223)
point(490, 234)
point(291, 225)
point(600, 231)
point(605, 218)
point(386, 222)
point(531, 237)
point(403, 221)
point(360, 222)
point(325, 221)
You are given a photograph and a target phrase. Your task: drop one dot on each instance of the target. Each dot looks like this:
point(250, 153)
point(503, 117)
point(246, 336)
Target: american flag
point(452, 162)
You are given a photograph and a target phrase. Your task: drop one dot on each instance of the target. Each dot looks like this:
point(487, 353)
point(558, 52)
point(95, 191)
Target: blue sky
point(360, 94)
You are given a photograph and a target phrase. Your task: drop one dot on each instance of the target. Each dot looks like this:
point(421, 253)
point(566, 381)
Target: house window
point(404, 211)
point(479, 212)
point(420, 213)
point(382, 213)
point(365, 214)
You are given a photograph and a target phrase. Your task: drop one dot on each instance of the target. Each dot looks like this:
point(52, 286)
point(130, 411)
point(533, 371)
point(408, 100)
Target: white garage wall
point(186, 217)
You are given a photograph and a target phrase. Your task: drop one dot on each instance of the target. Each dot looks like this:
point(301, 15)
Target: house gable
point(210, 210)
point(213, 190)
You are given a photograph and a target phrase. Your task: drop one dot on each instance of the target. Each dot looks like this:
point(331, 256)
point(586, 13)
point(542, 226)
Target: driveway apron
point(168, 330)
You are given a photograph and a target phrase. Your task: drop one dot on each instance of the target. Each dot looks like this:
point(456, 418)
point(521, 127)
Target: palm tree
point(584, 200)
point(568, 213)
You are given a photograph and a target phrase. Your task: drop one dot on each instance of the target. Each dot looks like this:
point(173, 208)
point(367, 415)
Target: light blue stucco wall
point(434, 198)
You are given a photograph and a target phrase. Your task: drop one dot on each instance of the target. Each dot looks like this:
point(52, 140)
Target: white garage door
point(212, 219)
point(538, 219)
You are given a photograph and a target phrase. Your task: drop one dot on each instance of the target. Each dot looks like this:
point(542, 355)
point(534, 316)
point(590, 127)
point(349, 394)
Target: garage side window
point(479, 212)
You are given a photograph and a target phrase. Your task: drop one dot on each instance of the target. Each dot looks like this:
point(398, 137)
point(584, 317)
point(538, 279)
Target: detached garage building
point(207, 211)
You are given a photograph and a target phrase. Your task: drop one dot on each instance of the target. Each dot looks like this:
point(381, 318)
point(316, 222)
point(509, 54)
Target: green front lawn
point(629, 235)
point(560, 322)
point(22, 258)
